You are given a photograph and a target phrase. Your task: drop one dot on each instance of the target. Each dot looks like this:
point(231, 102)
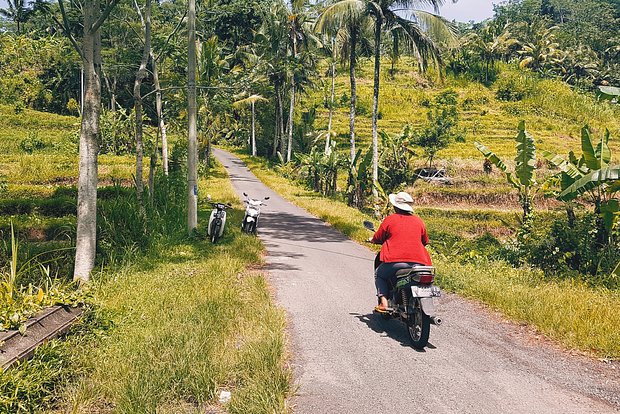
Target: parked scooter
point(412, 300)
point(252, 212)
point(217, 220)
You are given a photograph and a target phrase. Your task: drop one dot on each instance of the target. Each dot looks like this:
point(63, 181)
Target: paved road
point(348, 361)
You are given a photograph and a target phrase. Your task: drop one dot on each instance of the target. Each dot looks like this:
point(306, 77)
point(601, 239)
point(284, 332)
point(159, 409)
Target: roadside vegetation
point(572, 312)
point(170, 324)
point(506, 132)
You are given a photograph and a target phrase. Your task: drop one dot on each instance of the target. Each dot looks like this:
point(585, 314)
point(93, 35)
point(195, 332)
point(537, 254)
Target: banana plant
point(523, 178)
point(591, 176)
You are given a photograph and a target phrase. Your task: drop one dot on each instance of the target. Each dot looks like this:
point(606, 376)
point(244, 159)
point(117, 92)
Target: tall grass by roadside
point(187, 324)
point(577, 316)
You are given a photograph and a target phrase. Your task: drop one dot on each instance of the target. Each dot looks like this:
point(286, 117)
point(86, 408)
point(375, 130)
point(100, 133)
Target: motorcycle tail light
point(424, 278)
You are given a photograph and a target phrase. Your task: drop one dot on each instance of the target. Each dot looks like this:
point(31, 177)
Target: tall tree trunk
point(192, 148)
point(160, 115)
point(352, 60)
point(86, 238)
point(253, 131)
point(137, 94)
point(331, 100)
point(276, 132)
point(375, 111)
point(289, 147)
point(281, 119)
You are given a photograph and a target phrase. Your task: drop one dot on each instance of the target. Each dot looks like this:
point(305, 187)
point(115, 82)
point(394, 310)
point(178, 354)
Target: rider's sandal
point(379, 309)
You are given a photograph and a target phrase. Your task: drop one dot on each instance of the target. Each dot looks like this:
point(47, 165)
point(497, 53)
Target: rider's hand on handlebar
point(369, 240)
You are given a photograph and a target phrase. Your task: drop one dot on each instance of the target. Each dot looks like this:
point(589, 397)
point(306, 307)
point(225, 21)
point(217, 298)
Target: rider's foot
point(381, 309)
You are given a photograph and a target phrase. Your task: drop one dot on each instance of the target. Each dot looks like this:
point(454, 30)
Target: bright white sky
point(466, 10)
point(462, 11)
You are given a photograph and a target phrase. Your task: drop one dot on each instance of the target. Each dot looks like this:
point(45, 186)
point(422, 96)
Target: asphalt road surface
point(346, 360)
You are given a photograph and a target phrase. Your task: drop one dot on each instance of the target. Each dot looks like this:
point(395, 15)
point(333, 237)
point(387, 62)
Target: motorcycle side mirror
point(245, 194)
point(369, 225)
point(266, 198)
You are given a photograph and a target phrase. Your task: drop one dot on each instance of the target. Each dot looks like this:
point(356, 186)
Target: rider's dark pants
point(385, 276)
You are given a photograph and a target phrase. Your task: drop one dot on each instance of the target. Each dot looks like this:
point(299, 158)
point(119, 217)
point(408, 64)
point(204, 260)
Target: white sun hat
point(402, 201)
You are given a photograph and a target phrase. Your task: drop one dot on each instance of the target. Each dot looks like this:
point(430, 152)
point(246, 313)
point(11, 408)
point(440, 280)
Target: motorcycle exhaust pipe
point(436, 320)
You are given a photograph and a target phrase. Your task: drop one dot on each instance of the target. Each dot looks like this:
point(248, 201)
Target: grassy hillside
point(554, 115)
point(553, 112)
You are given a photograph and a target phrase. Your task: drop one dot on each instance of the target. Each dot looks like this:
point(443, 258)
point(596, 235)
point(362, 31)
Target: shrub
point(566, 250)
point(58, 206)
point(16, 206)
point(125, 229)
point(440, 129)
point(117, 136)
point(32, 143)
point(515, 86)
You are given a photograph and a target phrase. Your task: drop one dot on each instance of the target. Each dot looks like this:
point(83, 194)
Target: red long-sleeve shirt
point(404, 238)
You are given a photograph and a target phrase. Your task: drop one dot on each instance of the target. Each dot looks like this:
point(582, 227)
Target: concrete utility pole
point(192, 147)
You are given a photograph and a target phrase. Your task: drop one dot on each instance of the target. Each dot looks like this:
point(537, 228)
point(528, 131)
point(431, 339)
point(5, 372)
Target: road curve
point(348, 361)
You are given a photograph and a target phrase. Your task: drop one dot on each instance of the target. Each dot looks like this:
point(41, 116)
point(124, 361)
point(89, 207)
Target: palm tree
point(271, 41)
point(17, 11)
point(251, 101)
point(540, 49)
point(332, 48)
point(490, 44)
point(422, 32)
point(300, 37)
point(348, 19)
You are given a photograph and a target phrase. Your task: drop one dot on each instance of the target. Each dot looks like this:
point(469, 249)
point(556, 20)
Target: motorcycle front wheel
point(215, 231)
point(418, 326)
point(247, 227)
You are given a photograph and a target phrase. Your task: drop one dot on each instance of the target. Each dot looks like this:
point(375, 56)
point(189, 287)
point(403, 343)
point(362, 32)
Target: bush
point(12, 207)
point(52, 207)
point(515, 86)
point(58, 206)
point(570, 251)
point(117, 132)
point(32, 143)
point(125, 229)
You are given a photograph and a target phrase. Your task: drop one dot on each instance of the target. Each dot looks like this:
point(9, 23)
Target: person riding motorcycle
point(403, 238)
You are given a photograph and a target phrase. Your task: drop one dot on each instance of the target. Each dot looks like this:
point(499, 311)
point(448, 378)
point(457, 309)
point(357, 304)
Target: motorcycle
point(412, 300)
point(252, 212)
point(217, 221)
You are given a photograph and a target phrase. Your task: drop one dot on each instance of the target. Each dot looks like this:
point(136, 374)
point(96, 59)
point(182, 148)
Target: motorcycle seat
point(415, 269)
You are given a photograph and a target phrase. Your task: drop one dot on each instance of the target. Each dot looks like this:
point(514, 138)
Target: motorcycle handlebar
point(226, 205)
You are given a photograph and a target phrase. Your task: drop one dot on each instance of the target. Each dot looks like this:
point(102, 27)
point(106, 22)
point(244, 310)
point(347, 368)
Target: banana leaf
point(525, 161)
point(589, 181)
point(566, 167)
point(610, 212)
point(614, 187)
point(364, 165)
point(589, 154)
point(603, 153)
point(489, 155)
point(609, 92)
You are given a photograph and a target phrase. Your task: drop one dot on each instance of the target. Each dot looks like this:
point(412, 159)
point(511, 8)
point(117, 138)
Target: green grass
point(554, 114)
point(570, 312)
point(183, 319)
point(194, 321)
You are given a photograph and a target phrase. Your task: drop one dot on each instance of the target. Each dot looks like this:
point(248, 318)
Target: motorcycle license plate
point(422, 291)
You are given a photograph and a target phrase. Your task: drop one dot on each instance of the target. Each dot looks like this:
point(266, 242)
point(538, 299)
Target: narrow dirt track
point(348, 361)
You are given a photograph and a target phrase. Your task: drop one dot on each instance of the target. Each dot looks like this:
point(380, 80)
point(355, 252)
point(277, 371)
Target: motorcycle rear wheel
point(418, 327)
